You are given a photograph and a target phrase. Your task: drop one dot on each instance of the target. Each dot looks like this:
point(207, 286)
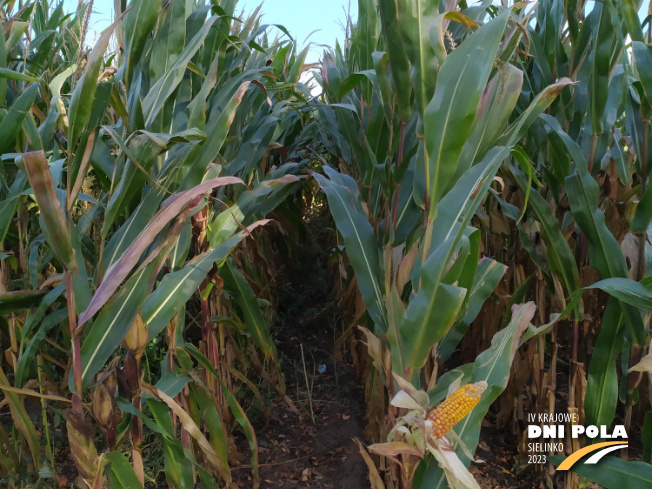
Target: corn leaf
point(176, 288)
point(248, 304)
point(170, 210)
point(81, 101)
point(614, 473)
point(163, 88)
point(449, 116)
point(122, 475)
point(362, 249)
point(12, 123)
point(54, 221)
point(602, 384)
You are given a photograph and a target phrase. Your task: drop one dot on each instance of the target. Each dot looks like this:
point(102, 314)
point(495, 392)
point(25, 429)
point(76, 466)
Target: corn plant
point(131, 183)
point(462, 149)
point(586, 217)
point(430, 105)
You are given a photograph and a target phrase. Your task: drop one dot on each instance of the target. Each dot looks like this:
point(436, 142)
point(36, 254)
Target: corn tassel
point(455, 408)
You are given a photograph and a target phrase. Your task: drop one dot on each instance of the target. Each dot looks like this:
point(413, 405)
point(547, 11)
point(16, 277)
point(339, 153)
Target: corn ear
point(455, 408)
point(137, 337)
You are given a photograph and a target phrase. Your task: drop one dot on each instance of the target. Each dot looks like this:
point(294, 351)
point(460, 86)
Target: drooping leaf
point(362, 249)
point(176, 288)
point(248, 304)
point(55, 227)
point(170, 210)
point(614, 472)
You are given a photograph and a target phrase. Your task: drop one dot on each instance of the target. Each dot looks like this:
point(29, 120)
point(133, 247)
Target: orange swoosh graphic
point(571, 459)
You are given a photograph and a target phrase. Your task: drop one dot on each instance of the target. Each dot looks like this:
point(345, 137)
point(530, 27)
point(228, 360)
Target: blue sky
point(325, 20)
point(300, 18)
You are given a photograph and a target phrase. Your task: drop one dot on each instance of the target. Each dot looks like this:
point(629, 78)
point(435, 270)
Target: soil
point(296, 452)
point(501, 466)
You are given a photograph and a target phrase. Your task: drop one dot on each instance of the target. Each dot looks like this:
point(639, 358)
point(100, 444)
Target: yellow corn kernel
point(455, 408)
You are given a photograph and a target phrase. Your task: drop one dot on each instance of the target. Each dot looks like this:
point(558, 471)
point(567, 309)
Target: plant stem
point(46, 425)
point(308, 388)
point(74, 338)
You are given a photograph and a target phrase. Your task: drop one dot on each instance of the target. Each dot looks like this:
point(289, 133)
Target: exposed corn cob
point(455, 408)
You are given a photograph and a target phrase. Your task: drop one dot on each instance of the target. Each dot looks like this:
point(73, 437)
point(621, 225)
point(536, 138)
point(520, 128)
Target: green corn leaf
point(433, 311)
point(175, 206)
point(628, 12)
point(261, 200)
point(169, 42)
point(361, 247)
point(488, 275)
point(136, 27)
point(245, 424)
point(176, 288)
point(81, 101)
point(248, 304)
point(18, 28)
point(20, 299)
point(173, 382)
point(560, 257)
point(118, 313)
point(605, 253)
point(14, 75)
point(496, 105)
point(294, 71)
point(177, 469)
point(643, 213)
point(449, 116)
point(366, 33)
point(604, 59)
point(122, 475)
point(493, 366)
point(602, 385)
point(28, 356)
point(643, 61)
point(614, 473)
point(423, 325)
point(628, 291)
point(147, 208)
point(398, 60)
point(419, 25)
point(211, 417)
point(542, 101)
point(13, 122)
point(216, 131)
point(3, 65)
point(646, 437)
point(169, 81)
point(113, 323)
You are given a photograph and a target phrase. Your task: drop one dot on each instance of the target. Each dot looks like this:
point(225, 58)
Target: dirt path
point(312, 446)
